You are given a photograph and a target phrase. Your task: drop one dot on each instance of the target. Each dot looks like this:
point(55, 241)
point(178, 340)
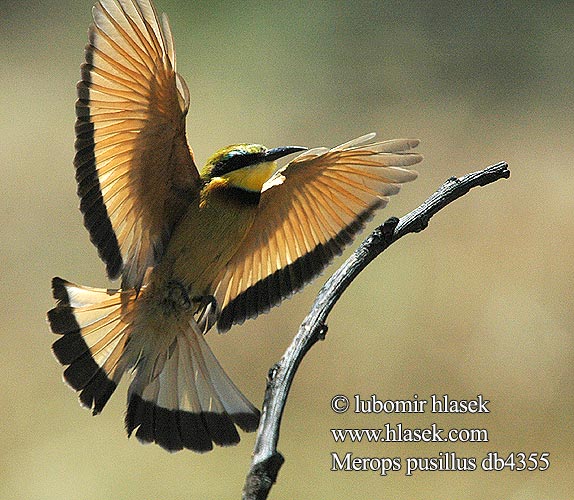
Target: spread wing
point(309, 211)
point(134, 169)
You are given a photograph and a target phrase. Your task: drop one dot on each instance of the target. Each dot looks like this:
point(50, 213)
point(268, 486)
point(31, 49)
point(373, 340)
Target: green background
point(479, 303)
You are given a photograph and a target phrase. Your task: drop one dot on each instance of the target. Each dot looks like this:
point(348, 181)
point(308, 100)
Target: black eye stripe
point(236, 161)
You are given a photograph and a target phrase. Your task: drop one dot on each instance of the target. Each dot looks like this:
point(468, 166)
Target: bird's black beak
point(276, 153)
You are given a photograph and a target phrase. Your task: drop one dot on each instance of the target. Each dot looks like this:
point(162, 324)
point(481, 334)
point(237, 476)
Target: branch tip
point(266, 459)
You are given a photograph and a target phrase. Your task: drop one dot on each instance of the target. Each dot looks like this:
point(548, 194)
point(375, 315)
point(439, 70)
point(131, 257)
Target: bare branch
point(266, 459)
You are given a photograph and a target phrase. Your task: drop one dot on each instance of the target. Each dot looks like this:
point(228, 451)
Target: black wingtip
point(283, 283)
point(92, 206)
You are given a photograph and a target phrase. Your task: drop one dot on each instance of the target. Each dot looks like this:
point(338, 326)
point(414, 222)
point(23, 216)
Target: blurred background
point(479, 303)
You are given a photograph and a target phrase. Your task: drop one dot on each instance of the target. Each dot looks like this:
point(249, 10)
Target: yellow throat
point(253, 177)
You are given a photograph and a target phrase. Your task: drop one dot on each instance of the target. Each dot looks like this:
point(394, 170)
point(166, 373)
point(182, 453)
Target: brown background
point(480, 303)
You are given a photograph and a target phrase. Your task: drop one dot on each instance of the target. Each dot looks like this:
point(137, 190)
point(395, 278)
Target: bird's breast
point(206, 238)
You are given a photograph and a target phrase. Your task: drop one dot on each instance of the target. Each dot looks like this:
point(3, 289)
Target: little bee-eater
point(193, 248)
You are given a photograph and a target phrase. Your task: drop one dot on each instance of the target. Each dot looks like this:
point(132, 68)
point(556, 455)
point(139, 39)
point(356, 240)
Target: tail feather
point(192, 403)
point(233, 400)
point(180, 396)
point(93, 339)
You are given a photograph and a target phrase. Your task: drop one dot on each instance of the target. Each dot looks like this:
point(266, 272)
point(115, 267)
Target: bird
point(193, 248)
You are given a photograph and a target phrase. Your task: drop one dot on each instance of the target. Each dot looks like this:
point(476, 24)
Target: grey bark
point(267, 460)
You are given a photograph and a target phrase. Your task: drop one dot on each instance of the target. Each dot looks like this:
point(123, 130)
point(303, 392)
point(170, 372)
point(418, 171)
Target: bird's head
point(245, 166)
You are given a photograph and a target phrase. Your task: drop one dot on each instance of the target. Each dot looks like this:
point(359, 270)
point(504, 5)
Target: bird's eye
point(234, 160)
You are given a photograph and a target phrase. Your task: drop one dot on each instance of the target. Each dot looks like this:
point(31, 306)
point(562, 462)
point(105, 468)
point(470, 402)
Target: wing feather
point(309, 211)
point(134, 168)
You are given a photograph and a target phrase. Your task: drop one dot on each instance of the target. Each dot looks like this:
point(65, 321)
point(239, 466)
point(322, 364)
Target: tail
point(180, 397)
